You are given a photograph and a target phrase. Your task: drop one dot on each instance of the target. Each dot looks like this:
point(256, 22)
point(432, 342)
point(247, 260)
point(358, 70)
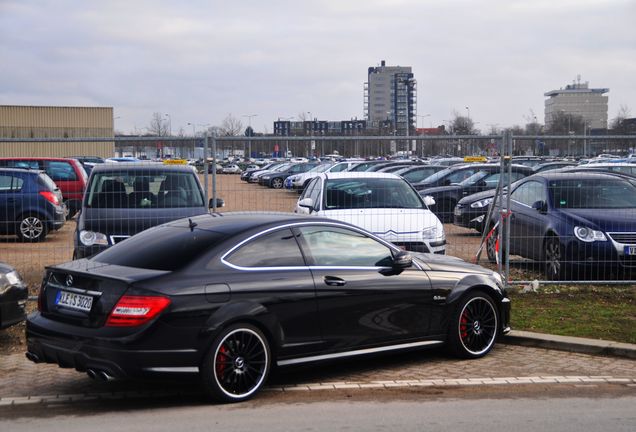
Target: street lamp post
point(249, 141)
point(169, 124)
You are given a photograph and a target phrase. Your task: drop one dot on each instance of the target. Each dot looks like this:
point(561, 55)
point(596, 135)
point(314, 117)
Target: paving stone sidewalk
point(505, 364)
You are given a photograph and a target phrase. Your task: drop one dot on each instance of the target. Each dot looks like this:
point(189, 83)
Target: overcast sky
point(199, 61)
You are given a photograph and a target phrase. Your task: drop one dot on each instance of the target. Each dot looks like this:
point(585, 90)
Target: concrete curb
point(571, 344)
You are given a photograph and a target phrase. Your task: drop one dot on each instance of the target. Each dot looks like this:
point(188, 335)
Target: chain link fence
point(574, 229)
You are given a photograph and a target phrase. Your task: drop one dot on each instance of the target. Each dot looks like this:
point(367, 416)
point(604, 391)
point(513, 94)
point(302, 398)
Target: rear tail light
point(133, 311)
point(50, 197)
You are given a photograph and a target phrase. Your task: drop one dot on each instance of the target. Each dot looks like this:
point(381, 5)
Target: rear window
point(167, 248)
point(144, 189)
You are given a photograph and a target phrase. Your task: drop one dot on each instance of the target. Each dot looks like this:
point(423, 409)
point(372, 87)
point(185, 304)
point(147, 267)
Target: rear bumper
point(119, 357)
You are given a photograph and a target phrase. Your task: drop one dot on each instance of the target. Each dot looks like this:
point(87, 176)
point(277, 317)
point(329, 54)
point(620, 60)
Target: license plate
point(630, 250)
point(458, 212)
point(74, 301)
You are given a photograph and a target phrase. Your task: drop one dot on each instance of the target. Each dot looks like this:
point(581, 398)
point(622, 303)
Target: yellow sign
point(475, 159)
point(175, 162)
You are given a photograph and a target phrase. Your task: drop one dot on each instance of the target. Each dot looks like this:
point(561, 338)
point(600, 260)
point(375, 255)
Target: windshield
point(592, 194)
point(282, 167)
point(144, 189)
point(350, 193)
point(438, 175)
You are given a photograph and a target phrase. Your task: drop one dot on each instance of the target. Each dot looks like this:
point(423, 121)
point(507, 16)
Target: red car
point(68, 174)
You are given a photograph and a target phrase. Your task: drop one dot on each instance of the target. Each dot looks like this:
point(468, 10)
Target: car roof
point(145, 166)
point(561, 175)
point(357, 174)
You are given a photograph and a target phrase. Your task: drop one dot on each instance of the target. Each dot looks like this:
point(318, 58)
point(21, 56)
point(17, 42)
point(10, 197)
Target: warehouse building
point(49, 123)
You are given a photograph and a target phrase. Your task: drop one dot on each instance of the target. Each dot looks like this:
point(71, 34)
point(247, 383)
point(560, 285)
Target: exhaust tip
point(104, 376)
point(33, 357)
point(91, 374)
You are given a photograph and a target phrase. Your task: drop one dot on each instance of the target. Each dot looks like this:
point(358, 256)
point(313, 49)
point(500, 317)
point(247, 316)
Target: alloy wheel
point(477, 326)
point(553, 259)
point(31, 228)
point(277, 183)
point(241, 362)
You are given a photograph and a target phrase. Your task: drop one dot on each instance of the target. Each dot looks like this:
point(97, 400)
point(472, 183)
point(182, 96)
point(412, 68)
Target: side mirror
point(429, 200)
point(216, 202)
point(402, 260)
point(540, 206)
point(307, 203)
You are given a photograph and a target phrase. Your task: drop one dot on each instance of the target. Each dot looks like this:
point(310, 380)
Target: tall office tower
point(390, 95)
point(578, 99)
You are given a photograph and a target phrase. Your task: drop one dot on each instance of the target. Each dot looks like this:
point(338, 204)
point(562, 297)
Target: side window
point(60, 171)
point(338, 247)
point(27, 164)
point(277, 249)
point(10, 183)
point(529, 193)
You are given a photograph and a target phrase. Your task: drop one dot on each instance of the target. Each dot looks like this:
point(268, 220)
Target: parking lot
point(31, 258)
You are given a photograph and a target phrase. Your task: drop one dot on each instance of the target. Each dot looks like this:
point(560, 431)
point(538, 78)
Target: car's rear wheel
point(237, 364)
point(31, 228)
point(277, 183)
point(474, 326)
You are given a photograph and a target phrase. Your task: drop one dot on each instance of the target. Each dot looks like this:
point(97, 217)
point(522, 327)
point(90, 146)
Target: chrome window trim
point(299, 224)
point(357, 352)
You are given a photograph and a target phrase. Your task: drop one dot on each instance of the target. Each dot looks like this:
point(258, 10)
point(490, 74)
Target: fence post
point(206, 166)
point(506, 221)
point(214, 174)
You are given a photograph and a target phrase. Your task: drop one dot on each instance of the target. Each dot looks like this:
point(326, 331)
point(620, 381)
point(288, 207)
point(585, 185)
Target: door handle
point(334, 281)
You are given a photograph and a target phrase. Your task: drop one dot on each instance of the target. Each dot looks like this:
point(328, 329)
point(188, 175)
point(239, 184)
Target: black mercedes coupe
point(231, 295)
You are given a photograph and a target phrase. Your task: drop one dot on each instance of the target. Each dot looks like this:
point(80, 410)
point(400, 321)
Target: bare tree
point(617, 124)
point(158, 126)
point(563, 123)
point(461, 125)
point(231, 126)
point(303, 116)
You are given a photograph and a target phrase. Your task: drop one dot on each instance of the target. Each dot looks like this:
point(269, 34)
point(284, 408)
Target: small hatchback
point(382, 203)
point(68, 175)
point(30, 204)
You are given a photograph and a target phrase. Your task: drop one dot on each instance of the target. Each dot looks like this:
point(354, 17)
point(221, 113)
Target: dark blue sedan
point(573, 220)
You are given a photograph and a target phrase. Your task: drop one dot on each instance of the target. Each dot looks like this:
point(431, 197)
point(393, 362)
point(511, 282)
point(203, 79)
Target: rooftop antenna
point(578, 79)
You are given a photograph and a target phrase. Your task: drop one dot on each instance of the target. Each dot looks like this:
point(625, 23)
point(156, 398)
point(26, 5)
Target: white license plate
point(630, 250)
point(74, 301)
point(458, 212)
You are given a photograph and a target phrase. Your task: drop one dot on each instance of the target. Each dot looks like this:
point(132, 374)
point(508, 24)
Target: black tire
point(237, 364)
point(31, 228)
point(474, 326)
point(553, 258)
point(277, 183)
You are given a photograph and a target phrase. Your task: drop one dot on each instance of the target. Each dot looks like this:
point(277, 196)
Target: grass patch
point(600, 313)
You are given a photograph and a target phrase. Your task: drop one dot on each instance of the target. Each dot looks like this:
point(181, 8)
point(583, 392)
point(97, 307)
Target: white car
point(382, 203)
point(299, 181)
point(231, 169)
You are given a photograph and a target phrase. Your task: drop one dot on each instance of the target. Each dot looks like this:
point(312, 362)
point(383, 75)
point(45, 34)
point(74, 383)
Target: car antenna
point(191, 224)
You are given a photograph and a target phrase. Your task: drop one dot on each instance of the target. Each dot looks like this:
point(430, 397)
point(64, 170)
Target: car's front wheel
point(474, 326)
point(555, 266)
point(237, 364)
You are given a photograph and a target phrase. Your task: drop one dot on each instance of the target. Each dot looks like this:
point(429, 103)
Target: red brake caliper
point(221, 358)
point(463, 325)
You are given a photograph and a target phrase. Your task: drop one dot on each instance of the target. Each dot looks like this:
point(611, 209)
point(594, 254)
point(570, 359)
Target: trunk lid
point(84, 292)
